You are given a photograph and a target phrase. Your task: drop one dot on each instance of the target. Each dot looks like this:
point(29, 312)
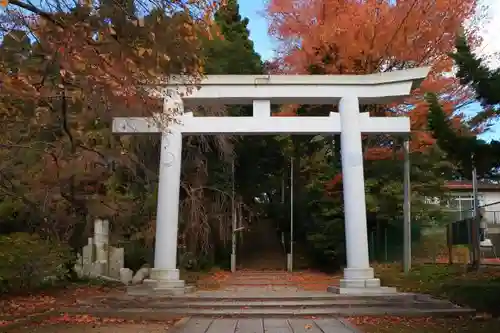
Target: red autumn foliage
point(333, 184)
point(362, 37)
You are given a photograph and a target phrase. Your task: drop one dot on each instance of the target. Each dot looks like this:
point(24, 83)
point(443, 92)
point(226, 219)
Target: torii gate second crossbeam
point(348, 91)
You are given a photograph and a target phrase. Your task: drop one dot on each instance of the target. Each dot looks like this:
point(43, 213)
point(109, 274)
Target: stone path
point(267, 325)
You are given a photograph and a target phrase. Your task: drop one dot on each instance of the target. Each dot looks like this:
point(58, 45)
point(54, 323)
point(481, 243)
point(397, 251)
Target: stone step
point(231, 305)
point(301, 297)
point(162, 314)
point(278, 278)
point(228, 297)
point(247, 296)
point(266, 271)
point(255, 282)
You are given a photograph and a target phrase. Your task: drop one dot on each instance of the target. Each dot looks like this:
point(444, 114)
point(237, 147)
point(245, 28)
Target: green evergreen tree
point(464, 147)
point(234, 53)
point(257, 158)
point(472, 71)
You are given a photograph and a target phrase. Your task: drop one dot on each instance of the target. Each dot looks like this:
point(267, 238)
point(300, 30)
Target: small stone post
point(101, 241)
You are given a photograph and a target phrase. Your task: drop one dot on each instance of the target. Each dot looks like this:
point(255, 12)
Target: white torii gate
point(349, 91)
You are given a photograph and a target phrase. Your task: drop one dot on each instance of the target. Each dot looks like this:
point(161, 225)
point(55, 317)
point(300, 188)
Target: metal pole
point(474, 192)
point(475, 221)
point(290, 258)
point(407, 208)
point(283, 189)
point(386, 255)
point(234, 226)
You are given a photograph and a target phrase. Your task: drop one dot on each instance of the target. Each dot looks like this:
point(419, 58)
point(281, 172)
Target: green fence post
point(385, 245)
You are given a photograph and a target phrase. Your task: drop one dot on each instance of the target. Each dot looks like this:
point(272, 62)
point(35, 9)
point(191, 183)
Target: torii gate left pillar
point(348, 91)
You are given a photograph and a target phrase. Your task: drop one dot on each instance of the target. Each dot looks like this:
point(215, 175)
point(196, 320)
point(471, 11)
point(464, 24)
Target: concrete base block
point(154, 290)
point(163, 282)
point(363, 291)
point(360, 283)
point(159, 274)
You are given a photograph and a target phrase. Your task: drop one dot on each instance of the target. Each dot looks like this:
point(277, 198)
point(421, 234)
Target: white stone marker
point(101, 240)
point(348, 91)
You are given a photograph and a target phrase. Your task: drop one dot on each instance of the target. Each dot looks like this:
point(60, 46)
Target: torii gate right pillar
point(358, 275)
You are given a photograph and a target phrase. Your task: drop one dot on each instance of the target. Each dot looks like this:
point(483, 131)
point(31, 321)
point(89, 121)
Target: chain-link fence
point(429, 244)
point(432, 244)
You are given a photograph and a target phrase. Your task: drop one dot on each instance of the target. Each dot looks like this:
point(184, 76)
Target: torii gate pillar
point(358, 273)
point(165, 271)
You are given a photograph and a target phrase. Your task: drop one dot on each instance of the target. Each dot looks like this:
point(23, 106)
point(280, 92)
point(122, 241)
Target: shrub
point(432, 245)
point(480, 291)
point(28, 262)
point(480, 295)
point(137, 254)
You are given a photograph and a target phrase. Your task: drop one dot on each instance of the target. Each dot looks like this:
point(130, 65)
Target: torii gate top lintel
point(379, 88)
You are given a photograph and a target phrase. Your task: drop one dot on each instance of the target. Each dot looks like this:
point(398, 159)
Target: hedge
point(28, 262)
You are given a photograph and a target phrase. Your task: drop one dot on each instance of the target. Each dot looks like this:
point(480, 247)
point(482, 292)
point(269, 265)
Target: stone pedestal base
point(370, 291)
point(163, 282)
point(360, 281)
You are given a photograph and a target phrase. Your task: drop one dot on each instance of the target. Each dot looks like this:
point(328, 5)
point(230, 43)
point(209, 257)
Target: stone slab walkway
point(267, 325)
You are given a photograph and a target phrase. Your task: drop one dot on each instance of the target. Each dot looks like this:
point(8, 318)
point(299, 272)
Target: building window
point(463, 205)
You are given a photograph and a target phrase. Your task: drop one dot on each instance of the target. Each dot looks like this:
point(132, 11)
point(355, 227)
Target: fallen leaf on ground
point(22, 306)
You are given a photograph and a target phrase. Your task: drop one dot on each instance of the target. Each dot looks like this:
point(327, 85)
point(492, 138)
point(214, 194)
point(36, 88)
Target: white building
point(461, 205)
point(462, 200)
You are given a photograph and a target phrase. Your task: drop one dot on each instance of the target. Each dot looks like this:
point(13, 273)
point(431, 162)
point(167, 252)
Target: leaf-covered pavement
point(307, 280)
point(17, 309)
point(66, 323)
point(314, 281)
point(212, 280)
point(390, 324)
point(88, 324)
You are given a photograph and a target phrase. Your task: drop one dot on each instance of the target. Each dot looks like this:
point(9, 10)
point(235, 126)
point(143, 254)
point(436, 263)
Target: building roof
point(466, 185)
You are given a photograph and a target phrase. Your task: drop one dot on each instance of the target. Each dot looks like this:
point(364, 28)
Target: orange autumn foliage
point(287, 111)
point(75, 72)
point(92, 58)
point(362, 37)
